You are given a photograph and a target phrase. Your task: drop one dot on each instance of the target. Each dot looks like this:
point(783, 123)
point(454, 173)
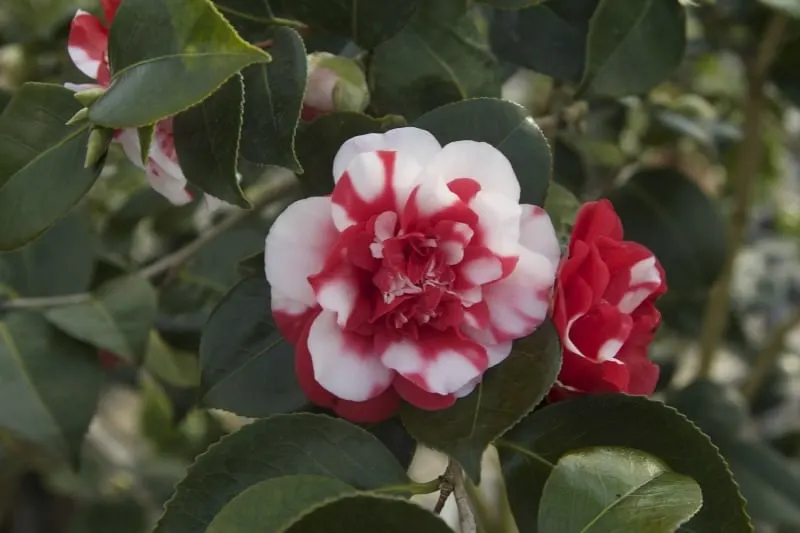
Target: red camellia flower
point(412, 278)
point(604, 308)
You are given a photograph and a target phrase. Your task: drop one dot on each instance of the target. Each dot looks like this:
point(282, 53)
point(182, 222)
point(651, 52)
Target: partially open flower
point(604, 308)
point(335, 83)
point(413, 277)
point(88, 48)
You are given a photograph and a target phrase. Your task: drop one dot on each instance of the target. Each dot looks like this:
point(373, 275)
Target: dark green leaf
point(790, 7)
point(507, 127)
point(320, 140)
point(207, 142)
point(273, 504)
point(607, 490)
point(49, 384)
point(784, 71)
point(508, 392)
point(60, 262)
point(273, 447)
point(365, 512)
point(440, 57)
point(666, 212)
point(117, 515)
point(117, 318)
point(393, 434)
point(529, 451)
point(569, 169)
point(549, 37)
point(274, 102)
point(562, 207)
point(250, 18)
point(39, 153)
point(509, 4)
point(252, 266)
point(166, 56)
point(633, 45)
point(177, 368)
point(247, 366)
point(366, 23)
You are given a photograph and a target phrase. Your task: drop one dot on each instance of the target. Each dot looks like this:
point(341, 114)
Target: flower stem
point(18, 304)
point(769, 355)
point(743, 178)
point(413, 489)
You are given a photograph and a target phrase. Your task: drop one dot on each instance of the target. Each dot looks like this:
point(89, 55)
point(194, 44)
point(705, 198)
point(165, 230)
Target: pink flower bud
point(334, 84)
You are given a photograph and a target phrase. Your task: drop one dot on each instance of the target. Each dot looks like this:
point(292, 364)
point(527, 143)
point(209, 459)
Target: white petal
point(171, 187)
point(344, 363)
point(412, 142)
point(499, 221)
point(645, 278)
point(479, 161)
point(297, 245)
point(129, 139)
point(162, 149)
point(537, 233)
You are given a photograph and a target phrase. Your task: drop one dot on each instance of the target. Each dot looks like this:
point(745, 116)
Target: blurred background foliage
point(666, 159)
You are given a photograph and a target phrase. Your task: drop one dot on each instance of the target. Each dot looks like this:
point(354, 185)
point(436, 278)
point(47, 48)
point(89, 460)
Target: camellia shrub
point(339, 224)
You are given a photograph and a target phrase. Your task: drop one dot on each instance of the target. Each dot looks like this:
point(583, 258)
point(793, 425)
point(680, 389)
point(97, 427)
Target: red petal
point(596, 219)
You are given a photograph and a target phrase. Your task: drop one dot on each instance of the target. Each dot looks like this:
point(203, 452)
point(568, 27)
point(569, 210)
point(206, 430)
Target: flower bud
point(99, 140)
point(334, 84)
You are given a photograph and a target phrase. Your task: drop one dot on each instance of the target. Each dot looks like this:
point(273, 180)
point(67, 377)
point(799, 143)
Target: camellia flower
point(412, 278)
point(604, 308)
point(88, 48)
point(335, 83)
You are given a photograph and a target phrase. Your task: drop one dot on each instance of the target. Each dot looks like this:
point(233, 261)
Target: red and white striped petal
point(170, 186)
point(373, 183)
point(423, 399)
point(518, 304)
point(78, 87)
point(291, 317)
point(346, 364)
point(478, 161)
point(87, 44)
point(439, 362)
point(162, 149)
point(412, 142)
point(600, 333)
point(297, 245)
point(498, 226)
point(536, 233)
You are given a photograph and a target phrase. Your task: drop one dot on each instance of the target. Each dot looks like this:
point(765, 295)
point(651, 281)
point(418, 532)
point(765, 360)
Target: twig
point(768, 356)
point(715, 319)
point(18, 304)
point(445, 486)
point(465, 513)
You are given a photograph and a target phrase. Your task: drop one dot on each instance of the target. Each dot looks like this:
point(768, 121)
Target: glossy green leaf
point(607, 490)
point(273, 504)
point(439, 58)
point(272, 447)
point(117, 318)
point(549, 37)
point(49, 384)
point(365, 23)
point(178, 368)
point(666, 212)
point(320, 140)
point(207, 142)
point(507, 393)
point(366, 512)
point(166, 56)
point(562, 207)
point(633, 45)
point(507, 127)
point(251, 19)
point(60, 262)
point(274, 103)
point(569, 169)
point(38, 153)
point(531, 449)
point(247, 366)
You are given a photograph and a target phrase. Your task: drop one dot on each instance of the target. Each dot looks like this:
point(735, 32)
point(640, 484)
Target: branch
point(748, 159)
point(768, 356)
point(18, 304)
point(453, 482)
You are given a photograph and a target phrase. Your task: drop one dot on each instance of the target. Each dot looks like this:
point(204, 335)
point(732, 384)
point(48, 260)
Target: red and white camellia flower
point(604, 308)
point(88, 48)
point(412, 278)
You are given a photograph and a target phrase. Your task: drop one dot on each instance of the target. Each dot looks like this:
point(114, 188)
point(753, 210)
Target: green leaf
point(273, 504)
point(320, 140)
point(60, 262)
point(117, 318)
point(633, 45)
point(549, 37)
point(790, 7)
point(273, 447)
point(38, 152)
point(274, 103)
point(369, 512)
point(666, 212)
point(607, 490)
point(769, 482)
point(509, 4)
point(569, 169)
point(207, 142)
point(507, 393)
point(251, 19)
point(562, 207)
point(177, 368)
point(247, 366)
point(530, 450)
point(167, 56)
point(366, 23)
point(439, 58)
point(49, 384)
point(507, 127)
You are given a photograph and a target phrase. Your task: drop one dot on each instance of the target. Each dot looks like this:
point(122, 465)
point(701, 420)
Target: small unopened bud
point(99, 140)
point(335, 84)
point(80, 116)
point(89, 96)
